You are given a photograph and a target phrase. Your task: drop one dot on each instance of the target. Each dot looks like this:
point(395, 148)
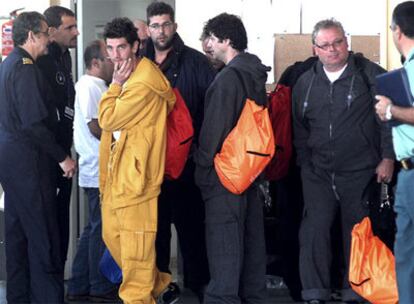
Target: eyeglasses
point(46, 33)
point(327, 46)
point(157, 26)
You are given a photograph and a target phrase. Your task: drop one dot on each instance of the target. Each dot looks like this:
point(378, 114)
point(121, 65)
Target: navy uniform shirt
point(57, 68)
point(23, 114)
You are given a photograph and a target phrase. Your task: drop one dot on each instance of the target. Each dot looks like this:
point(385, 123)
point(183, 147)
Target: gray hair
point(326, 24)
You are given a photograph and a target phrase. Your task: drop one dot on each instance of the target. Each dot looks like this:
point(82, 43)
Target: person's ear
point(135, 47)
point(96, 63)
point(52, 31)
point(30, 36)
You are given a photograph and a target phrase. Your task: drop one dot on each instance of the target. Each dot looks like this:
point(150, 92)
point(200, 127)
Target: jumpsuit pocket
point(137, 245)
point(134, 170)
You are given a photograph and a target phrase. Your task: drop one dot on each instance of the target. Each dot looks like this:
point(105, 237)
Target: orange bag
point(372, 266)
point(180, 134)
point(247, 149)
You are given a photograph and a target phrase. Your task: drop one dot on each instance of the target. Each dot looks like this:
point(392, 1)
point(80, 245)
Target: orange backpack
point(180, 134)
point(247, 149)
point(372, 266)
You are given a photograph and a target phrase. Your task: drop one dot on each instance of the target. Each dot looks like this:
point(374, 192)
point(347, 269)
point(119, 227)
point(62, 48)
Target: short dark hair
point(93, 51)
point(160, 8)
point(54, 15)
point(227, 26)
point(24, 23)
point(403, 17)
point(121, 28)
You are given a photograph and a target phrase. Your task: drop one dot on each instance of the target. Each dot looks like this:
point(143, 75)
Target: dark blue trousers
point(236, 248)
point(86, 276)
point(33, 257)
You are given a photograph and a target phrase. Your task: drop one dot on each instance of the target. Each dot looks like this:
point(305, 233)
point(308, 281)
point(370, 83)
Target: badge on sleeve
point(69, 113)
point(27, 60)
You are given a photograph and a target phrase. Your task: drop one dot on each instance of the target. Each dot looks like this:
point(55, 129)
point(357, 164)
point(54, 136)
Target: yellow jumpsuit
point(131, 172)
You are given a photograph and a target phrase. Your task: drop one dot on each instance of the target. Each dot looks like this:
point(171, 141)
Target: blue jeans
point(404, 239)
point(86, 278)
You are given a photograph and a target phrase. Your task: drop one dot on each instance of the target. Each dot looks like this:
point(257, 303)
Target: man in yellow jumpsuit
point(132, 115)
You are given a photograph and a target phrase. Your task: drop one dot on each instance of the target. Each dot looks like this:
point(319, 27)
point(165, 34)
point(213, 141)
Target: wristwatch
point(388, 114)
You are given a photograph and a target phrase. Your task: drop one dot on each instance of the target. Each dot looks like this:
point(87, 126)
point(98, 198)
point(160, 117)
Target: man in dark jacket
point(28, 151)
point(180, 201)
point(234, 223)
point(341, 145)
point(57, 68)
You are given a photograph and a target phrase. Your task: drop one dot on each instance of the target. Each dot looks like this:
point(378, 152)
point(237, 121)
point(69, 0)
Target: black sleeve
point(45, 140)
point(32, 112)
point(300, 127)
point(222, 108)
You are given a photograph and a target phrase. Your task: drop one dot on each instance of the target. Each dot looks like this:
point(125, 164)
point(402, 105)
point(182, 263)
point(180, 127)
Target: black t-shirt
point(57, 69)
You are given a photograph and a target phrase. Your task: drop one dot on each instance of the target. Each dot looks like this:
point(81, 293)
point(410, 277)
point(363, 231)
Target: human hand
point(68, 165)
point(385, 170)
point(381, 106)
point(122, 71)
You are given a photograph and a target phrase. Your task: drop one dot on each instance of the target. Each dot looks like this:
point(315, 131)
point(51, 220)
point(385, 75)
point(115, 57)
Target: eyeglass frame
point(46, 33)
point(327, 46)
point(157, 26)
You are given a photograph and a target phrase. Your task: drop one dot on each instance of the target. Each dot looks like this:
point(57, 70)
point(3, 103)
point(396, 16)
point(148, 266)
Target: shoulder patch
point(27, 60)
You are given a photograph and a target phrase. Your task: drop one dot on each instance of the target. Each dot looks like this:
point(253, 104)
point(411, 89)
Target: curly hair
point(121, 28)
point(227, 26)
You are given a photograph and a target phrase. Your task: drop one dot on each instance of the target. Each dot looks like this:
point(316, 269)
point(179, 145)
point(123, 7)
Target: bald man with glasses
point(341, 147)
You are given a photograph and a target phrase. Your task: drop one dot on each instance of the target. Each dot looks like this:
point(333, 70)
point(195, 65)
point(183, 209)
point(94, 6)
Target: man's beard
point(164, 47)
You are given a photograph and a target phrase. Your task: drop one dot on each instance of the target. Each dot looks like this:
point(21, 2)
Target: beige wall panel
point(290, 48)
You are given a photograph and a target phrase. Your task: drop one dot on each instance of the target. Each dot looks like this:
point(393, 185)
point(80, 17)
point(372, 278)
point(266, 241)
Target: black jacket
point(224, 102)
point(57, 68)
point(335, 125)
point(24, 115)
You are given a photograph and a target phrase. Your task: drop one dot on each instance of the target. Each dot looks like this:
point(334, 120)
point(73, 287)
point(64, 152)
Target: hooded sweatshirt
point(225, 99)
point(133, 166)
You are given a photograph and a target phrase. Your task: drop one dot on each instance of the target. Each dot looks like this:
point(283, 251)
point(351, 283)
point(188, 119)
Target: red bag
point(280, 102)
point(180, 134)
point(372, 266)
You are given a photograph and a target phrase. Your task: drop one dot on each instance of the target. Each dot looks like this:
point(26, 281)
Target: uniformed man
point(57, 67)
point(28, 151)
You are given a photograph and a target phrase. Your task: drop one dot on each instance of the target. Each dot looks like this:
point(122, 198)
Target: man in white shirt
point(87, 283)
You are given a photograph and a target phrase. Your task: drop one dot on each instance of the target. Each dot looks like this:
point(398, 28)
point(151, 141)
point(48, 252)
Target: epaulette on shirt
point(27, 60)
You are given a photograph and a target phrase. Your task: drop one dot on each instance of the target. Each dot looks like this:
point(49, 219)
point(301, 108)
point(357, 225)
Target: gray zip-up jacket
point(335, 125)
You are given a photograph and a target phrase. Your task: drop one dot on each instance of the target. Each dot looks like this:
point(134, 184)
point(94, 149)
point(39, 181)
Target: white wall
point(264, 18)
point(7, 6)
